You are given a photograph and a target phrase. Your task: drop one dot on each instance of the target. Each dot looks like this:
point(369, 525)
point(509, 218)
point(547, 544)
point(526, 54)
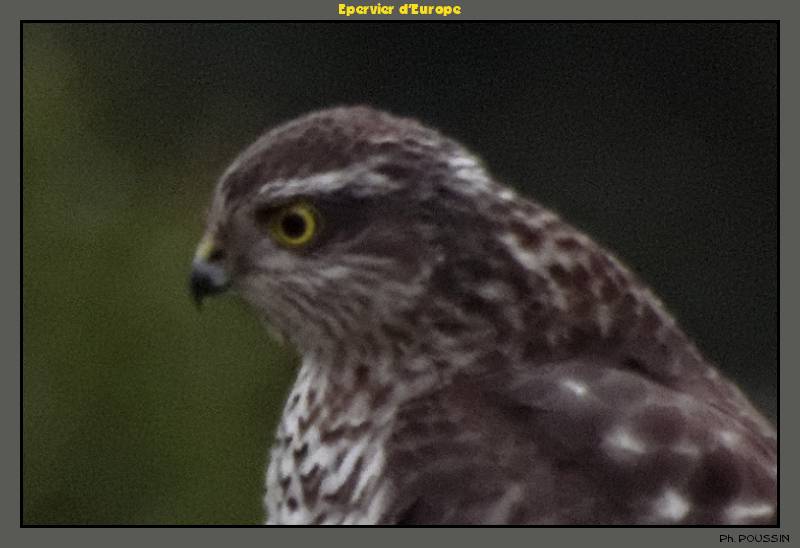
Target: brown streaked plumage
point(468, 357)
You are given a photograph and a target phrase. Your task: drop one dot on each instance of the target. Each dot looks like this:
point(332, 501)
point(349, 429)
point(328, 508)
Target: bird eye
point(295, 225)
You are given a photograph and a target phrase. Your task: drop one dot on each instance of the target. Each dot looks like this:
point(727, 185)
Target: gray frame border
point(326, 9)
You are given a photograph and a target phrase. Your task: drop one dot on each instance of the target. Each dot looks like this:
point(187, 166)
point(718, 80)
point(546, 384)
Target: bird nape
point(467, 356)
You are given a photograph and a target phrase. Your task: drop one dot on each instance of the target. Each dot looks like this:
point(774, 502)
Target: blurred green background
point(659, 139)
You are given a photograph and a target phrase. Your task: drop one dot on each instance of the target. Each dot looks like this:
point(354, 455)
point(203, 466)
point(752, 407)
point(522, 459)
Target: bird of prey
point(467, 356)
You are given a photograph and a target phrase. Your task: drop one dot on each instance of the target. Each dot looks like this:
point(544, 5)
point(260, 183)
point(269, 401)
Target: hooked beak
point(208, 276)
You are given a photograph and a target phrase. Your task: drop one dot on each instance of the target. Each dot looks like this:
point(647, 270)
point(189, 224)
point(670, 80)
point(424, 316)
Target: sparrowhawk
point(467, 356)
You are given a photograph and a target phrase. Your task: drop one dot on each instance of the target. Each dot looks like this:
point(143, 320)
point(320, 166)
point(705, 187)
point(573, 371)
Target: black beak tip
point(199, 287)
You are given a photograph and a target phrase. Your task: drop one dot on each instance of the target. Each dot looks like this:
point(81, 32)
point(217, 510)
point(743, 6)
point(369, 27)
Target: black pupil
point(293, 225)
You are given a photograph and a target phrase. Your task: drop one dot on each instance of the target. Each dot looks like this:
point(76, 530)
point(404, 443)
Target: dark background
point(660, 140)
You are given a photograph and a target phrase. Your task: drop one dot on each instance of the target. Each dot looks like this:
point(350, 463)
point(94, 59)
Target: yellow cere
point(204, 249)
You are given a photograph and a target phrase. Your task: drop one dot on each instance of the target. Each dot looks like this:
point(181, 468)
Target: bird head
point(339, 221)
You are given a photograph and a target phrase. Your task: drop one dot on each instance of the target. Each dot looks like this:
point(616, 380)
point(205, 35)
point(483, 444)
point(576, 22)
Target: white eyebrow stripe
point(361, 179)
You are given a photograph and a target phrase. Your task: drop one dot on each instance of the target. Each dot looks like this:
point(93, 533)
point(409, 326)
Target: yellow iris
point(295, 225)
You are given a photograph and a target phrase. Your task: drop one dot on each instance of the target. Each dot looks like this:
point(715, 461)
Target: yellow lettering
point(404, 9)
